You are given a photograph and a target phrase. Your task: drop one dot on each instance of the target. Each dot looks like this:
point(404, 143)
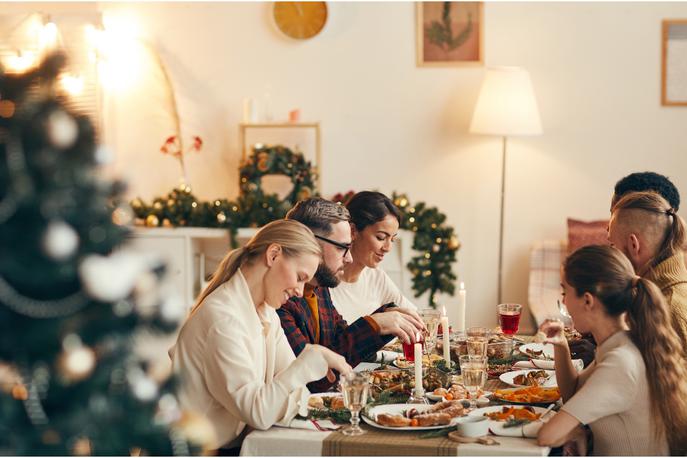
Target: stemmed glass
point(355, 387)
point(474, 372)
point(431, 318)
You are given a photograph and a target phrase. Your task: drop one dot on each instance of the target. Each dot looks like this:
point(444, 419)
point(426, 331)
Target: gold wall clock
point(300, 20)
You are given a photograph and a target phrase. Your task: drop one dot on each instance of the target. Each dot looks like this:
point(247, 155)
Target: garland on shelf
point(434, 239)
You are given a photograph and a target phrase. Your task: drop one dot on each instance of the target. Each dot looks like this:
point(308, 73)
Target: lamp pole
point(503, 195)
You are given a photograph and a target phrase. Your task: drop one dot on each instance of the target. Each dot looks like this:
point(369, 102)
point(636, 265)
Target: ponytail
point(226, 269)
point(652, 331)
point(607, 274)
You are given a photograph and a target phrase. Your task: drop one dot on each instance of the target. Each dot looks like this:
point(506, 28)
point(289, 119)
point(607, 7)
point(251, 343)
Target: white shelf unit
point(189, 252)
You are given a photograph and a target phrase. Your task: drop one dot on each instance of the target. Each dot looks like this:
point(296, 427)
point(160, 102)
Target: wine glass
point(474, 372)
point(431, 318)
point(509, 318)
point(355, 387)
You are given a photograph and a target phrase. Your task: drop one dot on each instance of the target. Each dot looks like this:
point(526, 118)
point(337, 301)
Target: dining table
point(304, 439)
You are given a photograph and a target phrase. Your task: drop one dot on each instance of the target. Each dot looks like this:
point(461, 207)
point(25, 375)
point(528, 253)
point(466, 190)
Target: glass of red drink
point(409, 349)
point(509, 317)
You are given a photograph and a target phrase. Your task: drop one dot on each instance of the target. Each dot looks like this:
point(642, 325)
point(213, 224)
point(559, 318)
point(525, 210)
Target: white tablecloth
point(278, 441)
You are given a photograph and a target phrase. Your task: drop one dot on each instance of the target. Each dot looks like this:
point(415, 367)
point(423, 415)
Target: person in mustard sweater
point(651, 234)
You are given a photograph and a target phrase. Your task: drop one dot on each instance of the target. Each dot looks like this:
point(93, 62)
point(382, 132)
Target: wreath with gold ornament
point(259, 207)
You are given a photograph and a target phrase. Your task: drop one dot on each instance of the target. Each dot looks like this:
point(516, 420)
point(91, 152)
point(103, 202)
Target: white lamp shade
point(506, 105)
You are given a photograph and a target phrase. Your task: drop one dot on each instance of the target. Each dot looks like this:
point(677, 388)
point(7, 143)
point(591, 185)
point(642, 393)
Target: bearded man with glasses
point(313, 318)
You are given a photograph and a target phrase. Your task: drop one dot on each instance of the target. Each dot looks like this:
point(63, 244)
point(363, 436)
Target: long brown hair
point(674, 238)
point(606, 273)
point(293, 237)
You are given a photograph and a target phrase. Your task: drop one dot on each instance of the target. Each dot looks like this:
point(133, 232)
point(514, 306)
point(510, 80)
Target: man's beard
point(326, 277)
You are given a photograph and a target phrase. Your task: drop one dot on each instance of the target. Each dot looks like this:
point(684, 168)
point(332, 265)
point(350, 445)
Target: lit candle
point(445, 336)
point(418, 365)
point(461, 307)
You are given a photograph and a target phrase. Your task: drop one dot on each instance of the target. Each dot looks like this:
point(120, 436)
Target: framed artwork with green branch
point(449, 33)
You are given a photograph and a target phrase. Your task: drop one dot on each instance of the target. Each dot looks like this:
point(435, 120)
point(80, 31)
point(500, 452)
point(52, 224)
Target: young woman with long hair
point(365, 287)
point(634, 395)
point(235, 364)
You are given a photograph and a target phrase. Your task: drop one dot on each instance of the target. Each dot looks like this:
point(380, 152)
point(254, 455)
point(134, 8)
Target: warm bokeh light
point(72, 84)
point(49, 36)
point(21, 61)
point(118, 51)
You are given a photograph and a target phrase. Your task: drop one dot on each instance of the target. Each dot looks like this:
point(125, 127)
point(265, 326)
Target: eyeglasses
point(344, 246)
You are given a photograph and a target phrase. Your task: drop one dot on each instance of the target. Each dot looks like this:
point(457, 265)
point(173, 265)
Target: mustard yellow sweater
point(671, 277)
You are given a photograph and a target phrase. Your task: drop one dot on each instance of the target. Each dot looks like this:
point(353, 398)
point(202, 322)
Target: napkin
point(300, 423)
point(527, 430)
point(389, 356)
point(547, 365)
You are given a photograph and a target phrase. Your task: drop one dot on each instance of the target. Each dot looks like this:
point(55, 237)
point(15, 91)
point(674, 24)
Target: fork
point(563, 310)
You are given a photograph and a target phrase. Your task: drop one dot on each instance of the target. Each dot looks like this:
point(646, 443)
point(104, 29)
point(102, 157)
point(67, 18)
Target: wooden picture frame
point(674, 62)
point(465, 42)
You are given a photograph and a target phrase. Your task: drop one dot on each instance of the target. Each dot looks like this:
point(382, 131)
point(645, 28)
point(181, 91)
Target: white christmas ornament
point(110, 278)
point(144, 388)
point(173, 308)
point(62, 129)
point(77, 362)
point(60, 240)
point(103, 155)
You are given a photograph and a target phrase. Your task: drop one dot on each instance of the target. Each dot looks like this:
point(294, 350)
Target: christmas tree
point(72, 303)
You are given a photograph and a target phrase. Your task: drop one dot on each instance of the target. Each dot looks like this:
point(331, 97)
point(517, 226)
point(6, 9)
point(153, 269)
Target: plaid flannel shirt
point(355, 342)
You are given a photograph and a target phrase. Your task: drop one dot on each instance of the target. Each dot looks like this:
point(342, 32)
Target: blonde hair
point(658, 216)
point(294, 238)
point(605, 272)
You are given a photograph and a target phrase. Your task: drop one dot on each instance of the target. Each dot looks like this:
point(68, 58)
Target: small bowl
point(473, 426)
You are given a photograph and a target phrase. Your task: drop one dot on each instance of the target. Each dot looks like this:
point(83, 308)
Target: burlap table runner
point(381, 442)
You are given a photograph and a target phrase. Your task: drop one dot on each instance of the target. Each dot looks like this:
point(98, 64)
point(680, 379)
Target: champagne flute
point(431, 318)
point(474, 371)
point(355, 387)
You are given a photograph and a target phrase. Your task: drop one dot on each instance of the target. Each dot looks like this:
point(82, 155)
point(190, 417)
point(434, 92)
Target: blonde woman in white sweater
point(236, 367)
point(365, 287)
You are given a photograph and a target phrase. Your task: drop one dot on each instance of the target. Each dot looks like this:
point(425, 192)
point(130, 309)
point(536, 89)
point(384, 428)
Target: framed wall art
point(674, 62)
point(449, 33)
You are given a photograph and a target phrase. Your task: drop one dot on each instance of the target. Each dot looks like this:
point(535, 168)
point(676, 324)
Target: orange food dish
point(529, 395)
point(513, 413)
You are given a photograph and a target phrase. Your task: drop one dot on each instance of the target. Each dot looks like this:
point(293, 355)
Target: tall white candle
point(418, 365)
point(461, 307)
point(446, 338)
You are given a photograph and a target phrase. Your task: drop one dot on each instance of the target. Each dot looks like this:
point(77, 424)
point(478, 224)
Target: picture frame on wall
point(674, 62)
point(449, 33)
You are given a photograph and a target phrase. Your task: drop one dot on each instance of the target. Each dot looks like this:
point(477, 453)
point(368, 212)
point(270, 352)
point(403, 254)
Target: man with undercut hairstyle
point(648, 230)
point(634, 182)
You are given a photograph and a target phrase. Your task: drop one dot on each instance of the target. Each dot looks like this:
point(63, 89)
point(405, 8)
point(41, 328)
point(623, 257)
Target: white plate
point(507, 377)
point(397, 409)
point(497, 427)
point(437, 398)
point(546, 348)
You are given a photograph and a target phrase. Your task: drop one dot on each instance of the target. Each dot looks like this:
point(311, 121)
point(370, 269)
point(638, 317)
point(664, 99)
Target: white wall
point(390, 125)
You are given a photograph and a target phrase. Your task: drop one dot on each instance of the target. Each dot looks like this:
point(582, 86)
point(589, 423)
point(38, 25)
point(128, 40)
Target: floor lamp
point(506, 107)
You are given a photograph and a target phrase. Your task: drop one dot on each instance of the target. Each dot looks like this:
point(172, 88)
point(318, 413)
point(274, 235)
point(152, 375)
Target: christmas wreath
point(261, 208)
